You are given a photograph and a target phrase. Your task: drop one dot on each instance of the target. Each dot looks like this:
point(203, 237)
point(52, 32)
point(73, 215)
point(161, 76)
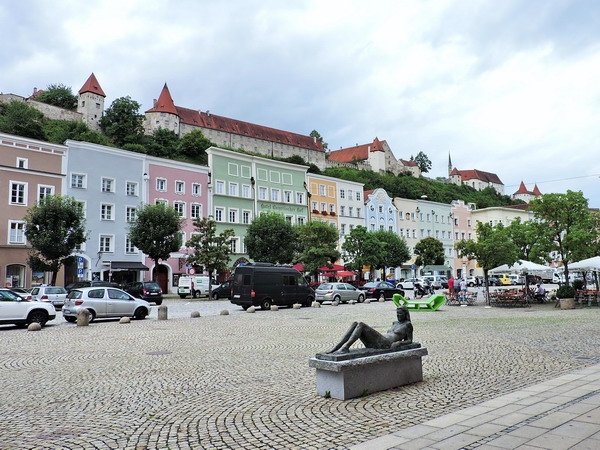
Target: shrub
point(565, 291)
point(578, 284)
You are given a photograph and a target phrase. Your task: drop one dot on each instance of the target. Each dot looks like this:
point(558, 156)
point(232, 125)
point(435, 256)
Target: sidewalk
point(562, 413)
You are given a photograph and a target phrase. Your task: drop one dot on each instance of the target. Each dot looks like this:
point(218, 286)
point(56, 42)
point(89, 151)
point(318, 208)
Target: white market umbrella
point(586, 265)
point(521, 266)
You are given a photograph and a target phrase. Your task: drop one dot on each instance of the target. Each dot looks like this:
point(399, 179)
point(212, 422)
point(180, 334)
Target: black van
point(264, 284)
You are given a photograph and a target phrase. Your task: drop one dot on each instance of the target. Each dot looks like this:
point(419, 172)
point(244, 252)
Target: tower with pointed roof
point(91, 102)
point(163, 114)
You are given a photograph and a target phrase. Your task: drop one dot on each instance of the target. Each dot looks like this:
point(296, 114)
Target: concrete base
point(361, 376)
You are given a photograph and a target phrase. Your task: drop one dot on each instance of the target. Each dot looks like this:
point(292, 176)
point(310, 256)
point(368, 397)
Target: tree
point(317, 242)
point(58, 95)
point(211, 250)
point(568, 218)
point(315, 134)
point(430, 252)
point(54, 228)
point(492, 248)
point(395, 251)
point(163, 143)
point(193, 145)
point(423, 162)
point(122, 121)
point(271, 238)
point(362, 248)
point(21, 119)
point(155, 231)
point(533, 238)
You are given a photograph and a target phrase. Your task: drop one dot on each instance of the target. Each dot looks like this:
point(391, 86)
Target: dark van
point(263, 284)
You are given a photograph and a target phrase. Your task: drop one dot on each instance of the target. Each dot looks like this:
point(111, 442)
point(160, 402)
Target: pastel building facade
point(351, 209)
point(323, 199)
point(29, 170)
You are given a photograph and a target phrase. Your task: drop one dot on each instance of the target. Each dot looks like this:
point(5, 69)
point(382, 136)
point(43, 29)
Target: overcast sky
point(509, 87)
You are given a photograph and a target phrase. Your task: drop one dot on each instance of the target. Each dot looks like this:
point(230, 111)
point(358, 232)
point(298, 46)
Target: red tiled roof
point(92, 85)
point(475, 174)
point(522, 206)
point(536, 190)
point(367, 193)
point(165, 102)
point(409, 163)
point(212, 121)
point(522, 189)
point(36, 94)
point(356, 153)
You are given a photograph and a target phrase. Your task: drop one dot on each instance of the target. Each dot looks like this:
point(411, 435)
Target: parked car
point(195, 285)
point(437, 281)
point(104, 302)
point(23, 293)
point(222, 291)
point(146, 290)
point(88, 283)
point(504, 280)
point(409, 283)
point(375, 289)
point(15, 310)
point(53, 294)
point(493, 281)
point(516, 279)
point(340, 292)
point(475, 280)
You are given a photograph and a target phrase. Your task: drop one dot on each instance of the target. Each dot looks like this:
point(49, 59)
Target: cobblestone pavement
point(242, 380)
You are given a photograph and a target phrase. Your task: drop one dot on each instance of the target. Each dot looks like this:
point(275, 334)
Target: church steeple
point(449, 164)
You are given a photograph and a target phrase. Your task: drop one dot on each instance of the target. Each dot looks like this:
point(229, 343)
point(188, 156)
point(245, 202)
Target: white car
point(15, 310)
point(409, 283)
point(104, 302)
point(52, 294)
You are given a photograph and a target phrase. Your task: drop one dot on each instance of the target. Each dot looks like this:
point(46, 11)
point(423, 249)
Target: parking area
point(242, 380)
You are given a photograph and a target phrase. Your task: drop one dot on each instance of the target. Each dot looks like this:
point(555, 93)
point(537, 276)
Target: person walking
point(451, 284)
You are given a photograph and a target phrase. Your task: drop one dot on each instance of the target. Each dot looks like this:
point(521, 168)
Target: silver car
point(340, 292)
point(104, 302)
point(52, 294)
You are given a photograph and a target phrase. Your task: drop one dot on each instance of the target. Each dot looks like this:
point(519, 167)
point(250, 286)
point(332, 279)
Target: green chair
point(432, 303)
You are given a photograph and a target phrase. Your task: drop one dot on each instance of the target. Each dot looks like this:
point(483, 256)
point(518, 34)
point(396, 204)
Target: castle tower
point(163, 114)
point(91, 102)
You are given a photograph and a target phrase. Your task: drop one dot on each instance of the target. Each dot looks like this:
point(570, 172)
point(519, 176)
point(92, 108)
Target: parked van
point(437, 281)
point(264, 284)
point(195, 285)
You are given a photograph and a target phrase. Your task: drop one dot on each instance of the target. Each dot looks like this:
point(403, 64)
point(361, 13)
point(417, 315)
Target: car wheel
point(182, 296)
point(140, 313)
point(92, 315)
point(361, 298)
point(194, 294)
point(40, 317)
point(309, 301)
point(215, 296)
point(70, 319)
point(400, 286)
point(471, 285)
point(336, 298)
point(265, 304)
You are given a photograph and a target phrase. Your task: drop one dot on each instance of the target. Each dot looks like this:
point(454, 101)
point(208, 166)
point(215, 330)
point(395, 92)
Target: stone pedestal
point(83, 318)
point(356, 377)
point(567, 303)
point(162, 312)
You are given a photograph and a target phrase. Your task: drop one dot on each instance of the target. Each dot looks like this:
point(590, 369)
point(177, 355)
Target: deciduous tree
point(317, 245)
point(21, 119)
point(394, 252)
point(362, 248)
point(423, 162)
point(122, 121)
point(271, 238)
point(54, 228)
point(58, 95)
point(155, 231)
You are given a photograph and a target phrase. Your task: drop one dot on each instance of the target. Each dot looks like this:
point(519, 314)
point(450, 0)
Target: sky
point(508, 87)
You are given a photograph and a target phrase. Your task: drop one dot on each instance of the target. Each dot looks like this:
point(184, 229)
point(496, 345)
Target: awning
point(345, 273)
point(127, 265)
point(333, 268)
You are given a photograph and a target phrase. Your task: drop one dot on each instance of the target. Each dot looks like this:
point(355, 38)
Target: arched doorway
point(161, 275)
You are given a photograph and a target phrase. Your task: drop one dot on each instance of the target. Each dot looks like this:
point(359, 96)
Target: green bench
point(432, 303)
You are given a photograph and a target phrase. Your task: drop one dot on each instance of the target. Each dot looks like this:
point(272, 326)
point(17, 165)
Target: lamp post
point(308, 196)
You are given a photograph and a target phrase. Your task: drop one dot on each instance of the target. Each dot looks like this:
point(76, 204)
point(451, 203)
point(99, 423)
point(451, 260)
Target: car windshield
point(6, 295)
point(325, 286)
point(151, 285)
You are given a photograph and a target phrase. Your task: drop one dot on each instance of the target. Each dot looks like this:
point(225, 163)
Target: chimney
point(315, 139)
point(34, 90)
point(154, 102)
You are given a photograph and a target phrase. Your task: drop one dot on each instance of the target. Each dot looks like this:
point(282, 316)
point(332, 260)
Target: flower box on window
point(324, 213)
point(315, 211)
point(332, 213)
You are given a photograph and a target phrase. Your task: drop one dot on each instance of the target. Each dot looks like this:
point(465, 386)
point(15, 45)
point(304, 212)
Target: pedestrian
point(451, 284)
point(463, 285)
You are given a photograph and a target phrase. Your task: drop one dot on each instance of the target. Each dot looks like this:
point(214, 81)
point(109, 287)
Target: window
point(234, 245)
point(233, 215)
point(108, 185)
point(131, 214)
point(342, 210)
point(180, 208)
point(233, 189)
point(105, 243)
point(300, 220)
point(287, 196)
point(196, 210)
point(314, 206)
point(322, 190)
point(161, 184)
point(342, 193)
point(17, 233)
point(262, 193)
point(343, 229)
point(78, 181)
point(18, 193)
point(160, 201)
point(106, 211)
point(274, 195)
point(380, 209)
point(132, 189)
point(22, 163)
point(332, 208)
point(219, 215)
point(44, 191)
point(246, 217)
point(468, 223)
point(300, 198)
point(323, 206)
point(129, 247)
point(358, 196)
point(350, 211)
point(220, 187)
point(245, 191)
point(357, 212)
point(196, 189)
point(180, 187)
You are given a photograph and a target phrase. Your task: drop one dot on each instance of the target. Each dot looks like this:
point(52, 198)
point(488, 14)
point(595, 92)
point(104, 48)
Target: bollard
point(162, 312)
point(195, 314)
point(83, 318)
point(34, 326)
